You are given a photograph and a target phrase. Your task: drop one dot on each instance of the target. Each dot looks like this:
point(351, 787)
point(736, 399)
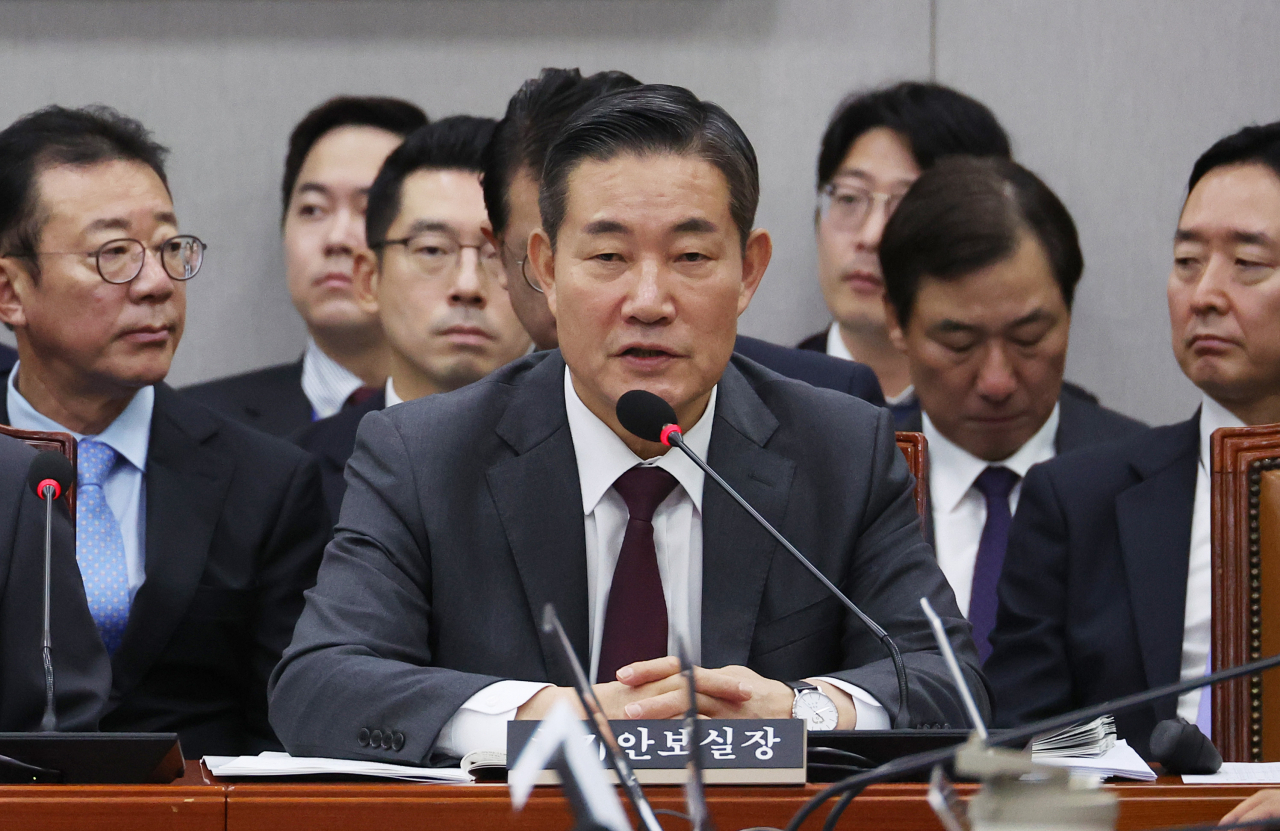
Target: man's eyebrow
point(117, 223)
point(1239, 237)
point(1035, 316)
point(314, 187)
point(430, 226)
point(947, 325)
point(696, 226)
point(604, 226)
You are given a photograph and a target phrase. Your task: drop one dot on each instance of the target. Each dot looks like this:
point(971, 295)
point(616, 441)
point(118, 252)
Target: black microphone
point(1181, 747)
point(649, 417)
point(50, 474)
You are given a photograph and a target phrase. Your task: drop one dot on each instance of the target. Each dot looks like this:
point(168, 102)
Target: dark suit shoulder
point(1102, 469)
point(269, 399)
point(332, 440)
point(8, 357)
point(1083, 421)
point(815, 342)
point(814, 368)
point(216, 430)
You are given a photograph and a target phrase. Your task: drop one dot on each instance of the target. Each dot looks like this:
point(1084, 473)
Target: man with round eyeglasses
point(196, 536)
point(433, 279)
point(875, 146)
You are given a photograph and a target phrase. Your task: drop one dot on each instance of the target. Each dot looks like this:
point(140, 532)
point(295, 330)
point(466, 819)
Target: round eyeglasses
point(121, 260)
point(847, 207)
point(440, 255)
point(523, 264)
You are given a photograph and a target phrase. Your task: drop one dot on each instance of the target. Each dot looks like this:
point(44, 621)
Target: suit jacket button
point(386, 740)
point(397, 741)
point(363, 737)
point(375, 738)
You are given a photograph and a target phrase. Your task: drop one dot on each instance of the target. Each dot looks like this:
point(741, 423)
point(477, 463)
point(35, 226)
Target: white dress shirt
point(1197, 619)
point(960, 510)
point(480, 724)
point(326, 383)
point(390, 394)
point(125, 487)
point(837, 348)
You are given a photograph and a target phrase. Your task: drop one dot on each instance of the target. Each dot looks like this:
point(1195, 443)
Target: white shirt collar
point(129, 435)
point(952, 469)
point(1212, 416)
point(836, 347)
point(326, 383)
point(392, 398)
point(603, 456)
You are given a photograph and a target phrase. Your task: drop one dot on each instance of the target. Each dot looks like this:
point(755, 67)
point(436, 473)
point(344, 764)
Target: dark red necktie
point(361, 395)
point(635, 621)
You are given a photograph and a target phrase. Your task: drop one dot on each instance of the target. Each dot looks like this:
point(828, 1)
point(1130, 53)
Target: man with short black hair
point(334, 153)
point(981, 263)
point(433, 279)
point(196, 535)
point(1107, 587)
point(466, 513)
point(876, 144)
point(513, 175)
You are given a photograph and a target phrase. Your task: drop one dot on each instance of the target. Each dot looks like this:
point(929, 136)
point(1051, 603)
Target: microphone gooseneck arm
point(902, 719)
point(49, 722)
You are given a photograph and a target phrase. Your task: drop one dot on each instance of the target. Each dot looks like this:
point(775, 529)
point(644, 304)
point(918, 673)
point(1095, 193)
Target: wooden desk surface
point(198, 801)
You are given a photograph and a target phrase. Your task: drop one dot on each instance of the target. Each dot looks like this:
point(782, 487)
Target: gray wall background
point(1109, 100)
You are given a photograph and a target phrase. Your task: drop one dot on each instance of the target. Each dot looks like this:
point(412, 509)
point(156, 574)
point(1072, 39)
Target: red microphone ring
point(665, 438)
point(57, 489)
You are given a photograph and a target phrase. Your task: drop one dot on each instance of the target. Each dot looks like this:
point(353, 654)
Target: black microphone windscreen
point(1181, 748)
point(645, 414)
point(50, 464)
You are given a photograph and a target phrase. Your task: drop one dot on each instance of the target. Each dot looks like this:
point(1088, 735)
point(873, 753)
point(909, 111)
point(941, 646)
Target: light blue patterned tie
point(100, 545)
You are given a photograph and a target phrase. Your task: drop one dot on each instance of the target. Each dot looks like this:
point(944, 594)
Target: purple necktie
point(995, 484)
point(635, 621)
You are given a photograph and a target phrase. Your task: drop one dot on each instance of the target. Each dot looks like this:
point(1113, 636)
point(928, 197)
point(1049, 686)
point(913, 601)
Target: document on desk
point(274, 763)
point(1121, 760)
point(1240, 773)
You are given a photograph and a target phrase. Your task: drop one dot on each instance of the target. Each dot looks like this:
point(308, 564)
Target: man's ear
point(364, 281)
point(897, 334)
point(493, 240)
point(543, 261)
point(755, 260)
point(15, 282)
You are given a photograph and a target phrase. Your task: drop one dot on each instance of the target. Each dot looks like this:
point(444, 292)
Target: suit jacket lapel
point(539, 501)
point(1154, 520)
point(736, 552)
point(186, 484)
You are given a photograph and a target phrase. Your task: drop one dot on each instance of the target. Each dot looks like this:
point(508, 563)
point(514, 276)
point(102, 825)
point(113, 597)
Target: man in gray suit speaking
point(466, 512)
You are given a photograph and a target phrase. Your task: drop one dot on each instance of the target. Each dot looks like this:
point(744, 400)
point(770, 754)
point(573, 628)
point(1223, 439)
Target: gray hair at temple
point(652, 119)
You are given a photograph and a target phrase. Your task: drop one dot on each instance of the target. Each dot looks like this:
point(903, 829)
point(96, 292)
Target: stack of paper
point(1239, 773)
point(1120, 760)
point(272, 763)
point(1091, 738)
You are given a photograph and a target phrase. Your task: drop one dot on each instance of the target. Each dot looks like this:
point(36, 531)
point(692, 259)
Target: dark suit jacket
point(270, 400)
point(820, 370)
point(235, 529)
point(81, 672)
point(331, 440)
point(8, 357)
point(903, 412)
point(463, 517)
point(1082, 421)
point(1095, 580)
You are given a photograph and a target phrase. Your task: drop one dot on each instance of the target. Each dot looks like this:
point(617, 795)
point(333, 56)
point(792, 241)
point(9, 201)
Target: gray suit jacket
point(463, 517)
point(81, 671)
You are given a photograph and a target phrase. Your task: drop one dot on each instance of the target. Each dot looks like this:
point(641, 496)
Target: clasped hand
point(657, 690)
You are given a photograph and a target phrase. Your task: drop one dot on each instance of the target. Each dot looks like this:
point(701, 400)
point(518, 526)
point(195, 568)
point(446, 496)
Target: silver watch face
point(817, 710)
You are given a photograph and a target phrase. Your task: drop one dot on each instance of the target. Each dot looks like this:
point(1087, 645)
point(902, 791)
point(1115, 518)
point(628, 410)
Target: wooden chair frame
point(916, 448)
point(1240, 458)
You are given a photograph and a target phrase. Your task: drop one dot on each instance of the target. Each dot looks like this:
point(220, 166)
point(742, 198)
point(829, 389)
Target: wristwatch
point(813, 706)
